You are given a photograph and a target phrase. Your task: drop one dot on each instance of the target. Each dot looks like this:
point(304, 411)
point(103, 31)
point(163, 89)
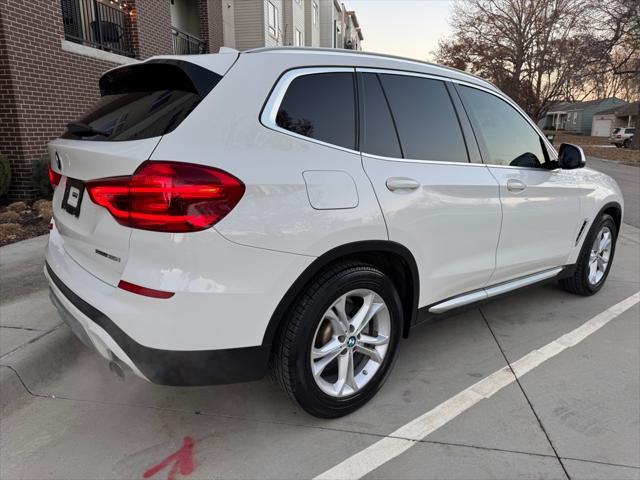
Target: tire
point(582, 282)
point(627, 143)
point(315, 319)
point(618, 145)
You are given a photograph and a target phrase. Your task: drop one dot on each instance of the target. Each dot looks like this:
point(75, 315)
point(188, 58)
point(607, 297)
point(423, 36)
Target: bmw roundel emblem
point(58, 162)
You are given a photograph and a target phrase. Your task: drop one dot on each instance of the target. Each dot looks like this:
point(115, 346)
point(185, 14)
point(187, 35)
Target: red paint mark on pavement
point(182, 461)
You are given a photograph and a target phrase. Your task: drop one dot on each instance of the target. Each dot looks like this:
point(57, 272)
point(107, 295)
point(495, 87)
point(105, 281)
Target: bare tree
point(543, 51)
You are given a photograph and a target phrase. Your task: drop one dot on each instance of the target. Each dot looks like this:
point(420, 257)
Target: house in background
point(576, 117)
point(52, 53)
point(339, 27)
point(607, 120)
point(312, 23)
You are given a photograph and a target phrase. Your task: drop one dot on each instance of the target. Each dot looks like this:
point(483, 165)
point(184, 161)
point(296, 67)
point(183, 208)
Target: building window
point(315, 14)
point(273, 19)
point(575, 116)
point(298, 39)
point(98, 24)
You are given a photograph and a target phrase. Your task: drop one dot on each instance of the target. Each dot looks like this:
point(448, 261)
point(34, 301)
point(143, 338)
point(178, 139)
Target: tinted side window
point(505, 137)
point(377, 132)
point(426, 120)
point(321, 106)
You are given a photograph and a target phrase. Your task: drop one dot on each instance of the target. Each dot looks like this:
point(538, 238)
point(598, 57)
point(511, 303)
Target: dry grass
point(600, 147)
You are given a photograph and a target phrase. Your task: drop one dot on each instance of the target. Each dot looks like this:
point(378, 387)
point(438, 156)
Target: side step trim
point(488, 292)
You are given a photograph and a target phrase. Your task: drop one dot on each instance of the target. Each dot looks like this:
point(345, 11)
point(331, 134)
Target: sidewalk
point(33, 338)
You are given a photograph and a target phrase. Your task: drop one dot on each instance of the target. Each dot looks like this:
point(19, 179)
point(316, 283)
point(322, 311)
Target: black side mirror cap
point(571, 157)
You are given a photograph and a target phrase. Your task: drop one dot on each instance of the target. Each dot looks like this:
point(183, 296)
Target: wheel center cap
point(351, 342)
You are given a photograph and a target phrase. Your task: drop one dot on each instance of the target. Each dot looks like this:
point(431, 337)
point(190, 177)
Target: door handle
point(401, 183)
point(515, 186)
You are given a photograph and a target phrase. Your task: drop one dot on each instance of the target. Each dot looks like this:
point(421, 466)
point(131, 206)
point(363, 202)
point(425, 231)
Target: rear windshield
point(143, 101)
point(616, 130)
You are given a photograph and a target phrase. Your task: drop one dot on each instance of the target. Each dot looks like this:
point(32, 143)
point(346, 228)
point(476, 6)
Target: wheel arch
point(392, 258)
point(615, 210)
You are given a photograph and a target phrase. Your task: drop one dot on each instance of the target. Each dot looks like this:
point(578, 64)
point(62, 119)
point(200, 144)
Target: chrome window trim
point(495, 93)
point(270, 110)
point(412, 160)
point(448, 71)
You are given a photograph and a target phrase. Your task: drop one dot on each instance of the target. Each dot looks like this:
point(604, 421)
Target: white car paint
point(303, 199)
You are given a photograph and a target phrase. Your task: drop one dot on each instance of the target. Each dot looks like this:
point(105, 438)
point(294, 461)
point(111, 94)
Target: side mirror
point(571, 157)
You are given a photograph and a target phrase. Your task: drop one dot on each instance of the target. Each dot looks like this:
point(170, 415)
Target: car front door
point(442, 207)
point(540, 203)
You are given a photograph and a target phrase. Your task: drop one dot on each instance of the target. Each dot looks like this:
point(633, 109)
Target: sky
point(408, 28)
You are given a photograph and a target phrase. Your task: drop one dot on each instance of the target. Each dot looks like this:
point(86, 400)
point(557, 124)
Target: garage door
point(601, 128)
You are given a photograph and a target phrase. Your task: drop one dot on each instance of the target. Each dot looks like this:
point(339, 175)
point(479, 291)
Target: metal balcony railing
point(98, 24)
point(185, 43)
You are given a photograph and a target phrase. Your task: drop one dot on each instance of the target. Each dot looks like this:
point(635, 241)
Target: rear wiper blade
point(83, 129)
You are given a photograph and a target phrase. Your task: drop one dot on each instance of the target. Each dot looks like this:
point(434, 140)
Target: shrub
point(5, 175)
point(40, 177)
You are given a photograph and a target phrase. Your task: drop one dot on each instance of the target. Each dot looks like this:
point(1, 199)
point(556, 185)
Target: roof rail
point(338, 51)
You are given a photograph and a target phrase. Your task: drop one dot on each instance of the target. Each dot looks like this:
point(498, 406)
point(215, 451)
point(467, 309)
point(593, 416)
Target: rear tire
point(594, 261)
point(326, 318)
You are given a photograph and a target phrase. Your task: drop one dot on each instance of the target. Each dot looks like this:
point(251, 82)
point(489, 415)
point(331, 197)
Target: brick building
point(52, 53)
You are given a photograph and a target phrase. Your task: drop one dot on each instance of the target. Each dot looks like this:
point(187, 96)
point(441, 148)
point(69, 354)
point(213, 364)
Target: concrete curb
point(26, 369)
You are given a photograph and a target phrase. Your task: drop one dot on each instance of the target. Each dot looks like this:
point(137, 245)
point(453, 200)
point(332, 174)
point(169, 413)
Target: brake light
point(54, 177)
point(168, 196)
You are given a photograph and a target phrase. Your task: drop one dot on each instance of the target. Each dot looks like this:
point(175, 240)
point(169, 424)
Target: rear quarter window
point(321, 106)
point(143, 101)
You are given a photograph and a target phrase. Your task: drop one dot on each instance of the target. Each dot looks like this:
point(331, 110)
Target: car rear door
point(540, 203)
point(442, 207)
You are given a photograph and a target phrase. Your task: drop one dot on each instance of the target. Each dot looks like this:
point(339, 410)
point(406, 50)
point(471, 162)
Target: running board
point(494, 291)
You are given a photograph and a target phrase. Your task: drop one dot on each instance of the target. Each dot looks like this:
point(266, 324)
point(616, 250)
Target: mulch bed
point(19, 221)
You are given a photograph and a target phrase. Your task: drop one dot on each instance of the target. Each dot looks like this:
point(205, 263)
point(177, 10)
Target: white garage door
point(601, 128)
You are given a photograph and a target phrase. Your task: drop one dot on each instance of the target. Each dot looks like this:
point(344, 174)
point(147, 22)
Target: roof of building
point(577, 106)
point(622, 110)
point(391, 59)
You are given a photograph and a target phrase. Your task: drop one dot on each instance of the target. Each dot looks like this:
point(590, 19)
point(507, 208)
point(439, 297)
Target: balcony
point(98, 24)
point(185, 43)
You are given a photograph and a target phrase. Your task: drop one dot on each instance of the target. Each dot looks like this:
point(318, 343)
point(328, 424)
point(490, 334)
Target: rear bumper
point(165, 367)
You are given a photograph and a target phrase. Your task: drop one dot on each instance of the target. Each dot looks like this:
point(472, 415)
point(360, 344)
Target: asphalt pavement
point(536, 384)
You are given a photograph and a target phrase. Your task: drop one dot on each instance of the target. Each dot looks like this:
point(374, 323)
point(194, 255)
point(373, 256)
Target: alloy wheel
point(599, 256)
point(350, 343)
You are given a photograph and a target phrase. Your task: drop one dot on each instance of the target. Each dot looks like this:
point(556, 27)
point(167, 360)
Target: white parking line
point(406, 436)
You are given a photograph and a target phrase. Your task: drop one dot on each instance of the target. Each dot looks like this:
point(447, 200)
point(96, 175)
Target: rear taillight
point(168, 196)
point(54, 177)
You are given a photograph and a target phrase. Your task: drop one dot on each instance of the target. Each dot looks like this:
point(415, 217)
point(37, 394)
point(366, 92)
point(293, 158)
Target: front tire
point(595, 259)
point(339, 343)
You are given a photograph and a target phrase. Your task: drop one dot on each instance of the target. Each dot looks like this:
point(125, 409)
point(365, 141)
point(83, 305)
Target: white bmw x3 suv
point(301, 210)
